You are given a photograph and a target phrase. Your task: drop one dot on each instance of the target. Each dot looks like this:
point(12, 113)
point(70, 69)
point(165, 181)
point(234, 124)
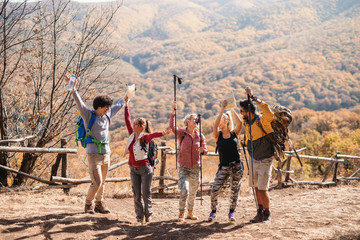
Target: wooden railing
point(167, 150)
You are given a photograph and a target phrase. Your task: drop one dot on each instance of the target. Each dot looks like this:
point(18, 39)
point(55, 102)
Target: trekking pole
point(251, 143)
point(176, 78)
point(243, 147)
point(199, 121)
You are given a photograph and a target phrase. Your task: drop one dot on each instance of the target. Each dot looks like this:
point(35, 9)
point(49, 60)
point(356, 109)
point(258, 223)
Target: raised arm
point(83, 110)
point(150, 136)
point(116, 108)
point(218, 119)
point(268, 115)
point(238, 121)
point(128, 117)
point(179, 131)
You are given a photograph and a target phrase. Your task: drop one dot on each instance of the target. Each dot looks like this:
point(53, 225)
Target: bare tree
point(14, 34)
point(72, 38)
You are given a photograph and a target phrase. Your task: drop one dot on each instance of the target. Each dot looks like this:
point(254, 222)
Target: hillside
point(296, 53)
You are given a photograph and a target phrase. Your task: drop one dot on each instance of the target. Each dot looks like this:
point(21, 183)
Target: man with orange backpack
point(258, 129)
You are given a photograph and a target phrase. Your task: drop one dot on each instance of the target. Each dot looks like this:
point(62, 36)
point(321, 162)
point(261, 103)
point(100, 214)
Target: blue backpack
point(84, 135)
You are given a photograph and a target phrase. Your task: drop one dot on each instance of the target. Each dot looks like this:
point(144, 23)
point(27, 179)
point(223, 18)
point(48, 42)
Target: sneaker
point(258, 218)
point(231, 217)
point(212, 216)
point(266, 216)
point(100, 208)
point(89, 208)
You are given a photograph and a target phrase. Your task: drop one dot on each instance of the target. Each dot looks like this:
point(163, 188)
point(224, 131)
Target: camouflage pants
point(188, 183)
point(235, 173)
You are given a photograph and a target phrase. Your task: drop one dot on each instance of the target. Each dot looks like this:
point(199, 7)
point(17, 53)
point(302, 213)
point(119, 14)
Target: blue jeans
point(141, 179)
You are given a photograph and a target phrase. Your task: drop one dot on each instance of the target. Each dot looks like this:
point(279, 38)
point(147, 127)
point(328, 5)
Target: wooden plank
point(81, 181)
point(354, 174)
point(292, 152)
point(348, 178)
point(17, 140)
point(347, 156)
point(316, 158)
point(26, 175)
point(116, 165)
point(162, 187)
point(37, 150)
point(308, 183)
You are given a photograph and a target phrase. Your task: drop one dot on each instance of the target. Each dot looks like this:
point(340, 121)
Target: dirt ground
point(297, 213)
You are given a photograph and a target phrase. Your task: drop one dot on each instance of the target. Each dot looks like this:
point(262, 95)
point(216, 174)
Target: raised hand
point(166, 132)
point(248, 91)
point(67, 79)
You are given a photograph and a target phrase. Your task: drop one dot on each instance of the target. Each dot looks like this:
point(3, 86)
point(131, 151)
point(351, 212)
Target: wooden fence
point(165, 150)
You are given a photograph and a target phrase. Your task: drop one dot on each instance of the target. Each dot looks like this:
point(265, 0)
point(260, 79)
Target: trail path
point(297, 213)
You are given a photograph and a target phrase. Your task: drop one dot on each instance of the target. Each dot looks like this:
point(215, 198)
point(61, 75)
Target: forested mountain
point(298, 53)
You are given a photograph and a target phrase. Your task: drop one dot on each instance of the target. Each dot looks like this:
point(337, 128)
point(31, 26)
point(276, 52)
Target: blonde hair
point(227, 116)
point(188, 117)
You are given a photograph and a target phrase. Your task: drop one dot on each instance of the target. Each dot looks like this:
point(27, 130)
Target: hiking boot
point(140, 221)
point(100, 208)
point(258, 218)
point(190, 215)
point(181, 216)
point(89, 208)
point(147, 219)
point(212, 216)
point(266, 216)
point(232, 217)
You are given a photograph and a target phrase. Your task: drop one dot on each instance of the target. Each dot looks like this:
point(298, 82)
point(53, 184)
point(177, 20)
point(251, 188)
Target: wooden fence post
point(163, 165)
point(55, 167)
point(280, 185)
point(335, 168)
point(64, 164)
point(288, 163)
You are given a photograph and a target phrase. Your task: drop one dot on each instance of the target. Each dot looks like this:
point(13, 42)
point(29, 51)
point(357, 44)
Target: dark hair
point(102, 101)
point(148, 127)
point(245, 105)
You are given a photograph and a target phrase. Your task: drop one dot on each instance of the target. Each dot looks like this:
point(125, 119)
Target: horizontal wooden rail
point(316, 158)
point(347, 156)
point(26, 175)
point(37, 150)
point(299, 150)
point(348, 178)
point(81, 181)
point(17, 140)
point(308, 183)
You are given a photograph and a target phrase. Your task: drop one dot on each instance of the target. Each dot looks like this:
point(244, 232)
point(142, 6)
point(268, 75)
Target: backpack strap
point(257, 119)
point(182, 139)
point(143, 144)
point(89, 136)
point(92, 120)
